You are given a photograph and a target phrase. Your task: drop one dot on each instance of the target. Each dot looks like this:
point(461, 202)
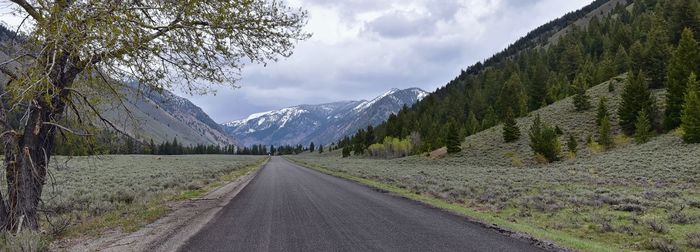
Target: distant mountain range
point(322, 123)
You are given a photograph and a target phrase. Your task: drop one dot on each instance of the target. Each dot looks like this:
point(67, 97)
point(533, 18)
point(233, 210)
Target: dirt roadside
point(170, 232)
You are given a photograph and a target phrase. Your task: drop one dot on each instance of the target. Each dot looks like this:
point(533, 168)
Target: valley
point(581, 135)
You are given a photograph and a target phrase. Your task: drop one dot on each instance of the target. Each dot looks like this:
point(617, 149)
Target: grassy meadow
point(91, 195)
point(628, 197)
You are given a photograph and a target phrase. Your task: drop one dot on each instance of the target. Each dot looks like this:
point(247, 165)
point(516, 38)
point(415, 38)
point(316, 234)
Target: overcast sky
point(361, 48)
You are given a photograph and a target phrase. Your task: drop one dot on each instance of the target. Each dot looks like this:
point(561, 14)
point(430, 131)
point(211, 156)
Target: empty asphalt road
point(292, 208)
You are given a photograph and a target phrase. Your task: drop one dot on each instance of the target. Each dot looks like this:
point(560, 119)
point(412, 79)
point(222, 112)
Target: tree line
point(108, 142)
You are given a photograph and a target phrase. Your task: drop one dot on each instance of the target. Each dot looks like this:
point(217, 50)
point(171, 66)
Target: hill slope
point(163, 116)
point(630, 197)
point(321, 124)
point(594, 44)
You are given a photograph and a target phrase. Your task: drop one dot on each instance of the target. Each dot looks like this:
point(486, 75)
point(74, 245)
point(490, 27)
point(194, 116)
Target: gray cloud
point(363, 47)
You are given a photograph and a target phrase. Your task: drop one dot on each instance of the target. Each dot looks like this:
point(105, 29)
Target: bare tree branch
point(30, 10)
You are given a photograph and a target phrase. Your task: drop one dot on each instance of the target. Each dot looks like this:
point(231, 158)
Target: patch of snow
point(367, 104)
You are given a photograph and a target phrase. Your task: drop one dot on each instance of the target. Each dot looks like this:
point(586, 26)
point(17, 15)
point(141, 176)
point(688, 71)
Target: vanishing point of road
point(292, 208)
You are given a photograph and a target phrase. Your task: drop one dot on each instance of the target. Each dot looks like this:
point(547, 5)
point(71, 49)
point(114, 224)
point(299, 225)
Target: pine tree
point(581, 99)
point(472, 124)
point(635, 97)
point(686, 59)
point(656, 54)
point(642, 132)
point(369, 136)
point(572, 144)
point(320, 149)
point(513, 96)
point(154, 150)
point(621, 60)
point(571, 59)
point(636, 57)
point(490, 118)
point(452, 138)
point(544, 140)
point(312, 147)
point(602, 110)
point(511, 131)
point(684, 15)
point(346, 152)
point(690, 116)
point(604, 134)
point(538, 84)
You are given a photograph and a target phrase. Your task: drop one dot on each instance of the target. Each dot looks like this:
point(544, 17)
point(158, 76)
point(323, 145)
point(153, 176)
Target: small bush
point(657, 226)
point(629, 207)
point(515, 160)
point(541, 159)
point(122, 196)
point(678, 217)
point(694, 240)
point(664, 245)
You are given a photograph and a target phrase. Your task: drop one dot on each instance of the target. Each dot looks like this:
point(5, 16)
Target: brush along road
point(292, 208)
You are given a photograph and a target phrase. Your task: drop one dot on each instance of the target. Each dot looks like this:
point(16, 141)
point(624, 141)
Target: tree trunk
point(26, 165)
point(27, 154)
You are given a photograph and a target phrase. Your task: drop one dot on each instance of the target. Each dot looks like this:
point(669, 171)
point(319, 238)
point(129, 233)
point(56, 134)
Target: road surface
point(292, 208)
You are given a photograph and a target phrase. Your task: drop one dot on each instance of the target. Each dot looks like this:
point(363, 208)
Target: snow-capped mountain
point(322, 123)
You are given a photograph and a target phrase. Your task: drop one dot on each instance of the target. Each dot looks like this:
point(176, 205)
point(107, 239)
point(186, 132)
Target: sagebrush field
point(87, 195)
point(631, 196)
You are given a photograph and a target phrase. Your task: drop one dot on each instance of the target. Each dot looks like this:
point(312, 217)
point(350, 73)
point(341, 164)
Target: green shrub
point(391, 148)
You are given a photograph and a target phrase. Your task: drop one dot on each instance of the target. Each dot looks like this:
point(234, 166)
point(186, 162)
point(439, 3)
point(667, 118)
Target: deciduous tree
point(71, 47)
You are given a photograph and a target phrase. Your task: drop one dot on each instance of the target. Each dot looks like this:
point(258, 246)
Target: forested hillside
point(557, 60)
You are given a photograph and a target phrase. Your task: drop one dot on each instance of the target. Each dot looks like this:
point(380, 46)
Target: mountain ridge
point(319, 123)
